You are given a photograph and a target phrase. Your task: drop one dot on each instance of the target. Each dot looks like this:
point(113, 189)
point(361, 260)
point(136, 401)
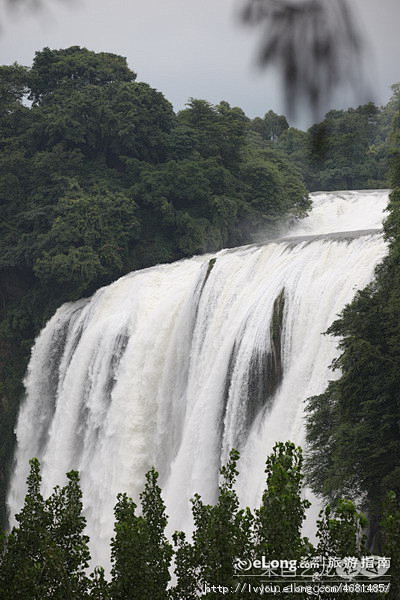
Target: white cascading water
point(174, 365)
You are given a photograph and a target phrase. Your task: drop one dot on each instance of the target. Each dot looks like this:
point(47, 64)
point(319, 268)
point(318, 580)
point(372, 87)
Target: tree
point(160, 550)
point(74, 68)
point(68, 569)
point(140, 553)
point(89, 239)
point(391, 540)
point(220, 130)
point(99, 586)
point(46, 554)
point(272, 190)
point(275, 125)
point(26, 547)
point(280, 517)
point(340, 531)
point(13, 86)
point(120, 119)
point(222, 533)
point(186, 569)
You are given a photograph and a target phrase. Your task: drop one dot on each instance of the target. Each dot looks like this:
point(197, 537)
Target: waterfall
point(174, 365)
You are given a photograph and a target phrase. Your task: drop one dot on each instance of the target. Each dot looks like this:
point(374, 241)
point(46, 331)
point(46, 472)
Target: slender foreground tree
point(282, 511)
point(46, 555)
point(391, 541)
point(140, 553)
point(222, 534)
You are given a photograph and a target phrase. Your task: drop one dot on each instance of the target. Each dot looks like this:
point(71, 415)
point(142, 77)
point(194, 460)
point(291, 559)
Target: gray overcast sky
point(191, 47)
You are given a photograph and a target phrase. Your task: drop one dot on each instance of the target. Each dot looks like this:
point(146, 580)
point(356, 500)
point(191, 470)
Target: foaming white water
point(343, 211)
point(175, 365)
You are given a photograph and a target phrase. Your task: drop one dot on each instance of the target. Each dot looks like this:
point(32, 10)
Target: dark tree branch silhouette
point(15, 5)
point(316, 45)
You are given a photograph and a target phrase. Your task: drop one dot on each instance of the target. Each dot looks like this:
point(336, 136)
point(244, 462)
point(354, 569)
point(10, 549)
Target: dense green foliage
point(140, 553)
point(222, 533)
point(281, 515)
point(46, 554)
point(99, 177)
point(390, 526)
point(349, 149)
point(354, 426)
